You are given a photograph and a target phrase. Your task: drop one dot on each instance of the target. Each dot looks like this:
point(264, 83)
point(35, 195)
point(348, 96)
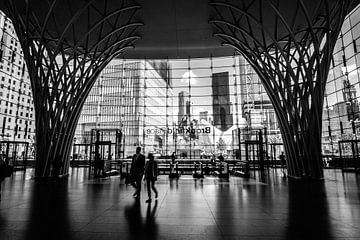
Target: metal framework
point(290, 45)
point(66, 44)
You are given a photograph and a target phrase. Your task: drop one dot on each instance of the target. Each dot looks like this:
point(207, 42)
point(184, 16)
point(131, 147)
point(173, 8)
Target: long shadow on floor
point(308, 216)
point(48, 217)
point(140, 228)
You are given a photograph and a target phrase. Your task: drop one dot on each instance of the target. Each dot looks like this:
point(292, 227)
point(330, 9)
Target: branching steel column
point(290, 46)
point(66, 45)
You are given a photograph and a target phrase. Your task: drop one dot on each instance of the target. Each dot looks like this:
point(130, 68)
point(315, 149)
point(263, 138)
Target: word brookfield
point(181, 130)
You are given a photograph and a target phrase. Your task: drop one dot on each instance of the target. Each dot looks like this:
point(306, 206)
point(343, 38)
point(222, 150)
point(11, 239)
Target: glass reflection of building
point(222, 115)
point(341, 105)
point(184, 108)
point(257, 109)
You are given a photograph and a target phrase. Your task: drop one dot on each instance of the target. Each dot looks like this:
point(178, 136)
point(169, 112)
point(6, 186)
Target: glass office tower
point(131, 96)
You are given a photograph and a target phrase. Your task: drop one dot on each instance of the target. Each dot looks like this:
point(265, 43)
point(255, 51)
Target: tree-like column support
point(66, 45)
point(290, 45)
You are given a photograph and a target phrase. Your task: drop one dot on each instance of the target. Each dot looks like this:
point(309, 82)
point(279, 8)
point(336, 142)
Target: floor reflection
point(308, 211)
point(151, 227)
point(207, 209)
point(48, 216)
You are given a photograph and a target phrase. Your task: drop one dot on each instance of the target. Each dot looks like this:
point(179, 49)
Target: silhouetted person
point(2, 174)
point(212, 160)
point(151, 173)
point(282, 162)
point(5, 171)
point(221, 157)
point(137, 171)
point(4, 157)
point(173, 157)
point(98, 165)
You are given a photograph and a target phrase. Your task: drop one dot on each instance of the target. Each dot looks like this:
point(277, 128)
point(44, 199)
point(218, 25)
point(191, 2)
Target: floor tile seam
point(344, 223)
point(14, 206)
point(212, 214)
point(161, 203)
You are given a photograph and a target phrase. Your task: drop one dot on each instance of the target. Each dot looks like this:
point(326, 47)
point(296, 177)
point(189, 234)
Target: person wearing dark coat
point(151, 173)
point(2, 172)
point(137, 171)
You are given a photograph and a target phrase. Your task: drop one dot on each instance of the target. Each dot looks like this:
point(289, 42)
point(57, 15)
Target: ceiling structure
point(176, 29)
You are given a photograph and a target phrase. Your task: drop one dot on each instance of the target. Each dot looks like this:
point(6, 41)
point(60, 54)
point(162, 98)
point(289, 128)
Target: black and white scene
point(182, 119)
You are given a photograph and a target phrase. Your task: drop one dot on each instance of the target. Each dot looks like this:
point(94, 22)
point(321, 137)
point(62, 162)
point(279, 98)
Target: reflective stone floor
point(80, 208)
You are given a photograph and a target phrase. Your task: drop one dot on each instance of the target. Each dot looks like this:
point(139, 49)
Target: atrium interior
point(250, 109)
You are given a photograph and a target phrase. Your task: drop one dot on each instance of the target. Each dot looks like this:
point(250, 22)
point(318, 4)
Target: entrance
point(105, 148)
point(15, 153)
point(276, 149)
point(81, 155)
point(349, 155)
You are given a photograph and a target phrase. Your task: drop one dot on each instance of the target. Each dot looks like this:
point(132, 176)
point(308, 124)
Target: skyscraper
point(184, 107)
point(257, 108)
point(16, 103)
point(204, 116)
point(223, 118)
point(131, 96)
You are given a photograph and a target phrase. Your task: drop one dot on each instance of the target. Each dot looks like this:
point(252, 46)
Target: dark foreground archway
point(66, 45)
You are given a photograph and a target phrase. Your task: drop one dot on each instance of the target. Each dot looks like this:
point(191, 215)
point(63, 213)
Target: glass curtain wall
point(341, 105)
point(197, 108)
point(203, 107)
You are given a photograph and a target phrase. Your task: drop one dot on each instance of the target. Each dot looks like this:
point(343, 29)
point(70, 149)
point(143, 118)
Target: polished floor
point(80, 208)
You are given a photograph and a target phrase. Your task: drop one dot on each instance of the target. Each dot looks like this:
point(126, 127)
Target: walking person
point(173, 158)
point(137, 171)
point(172, 165)
point(2, 174)
point(5, 170)
point(98, 166)
point(151, 173)
point(283, 163)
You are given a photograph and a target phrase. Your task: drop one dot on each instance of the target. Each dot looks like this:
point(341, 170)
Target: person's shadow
point(151, 228)
point(140, 228)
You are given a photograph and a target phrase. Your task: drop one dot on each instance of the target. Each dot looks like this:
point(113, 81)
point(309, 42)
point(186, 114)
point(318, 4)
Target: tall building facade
point(131, 96)
point(257, 109)
point(184, 107)
point(204, 116)
point(16, 102)
point(222, 107)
